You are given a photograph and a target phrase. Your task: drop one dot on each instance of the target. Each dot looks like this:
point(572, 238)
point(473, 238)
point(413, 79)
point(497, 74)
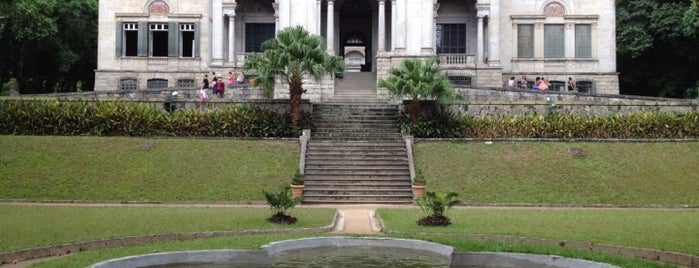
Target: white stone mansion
point(148, 44)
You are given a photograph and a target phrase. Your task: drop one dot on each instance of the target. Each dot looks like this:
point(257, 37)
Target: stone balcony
point(158, 64)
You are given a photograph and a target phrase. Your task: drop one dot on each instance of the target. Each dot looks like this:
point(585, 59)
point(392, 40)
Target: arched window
point(557, 86)
point(128, 84)
point(156, 83)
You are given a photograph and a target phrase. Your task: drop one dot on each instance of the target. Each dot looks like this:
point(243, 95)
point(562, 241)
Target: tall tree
point(656, 47)
point(50, 45)
point(418, 80)
point(294, 55)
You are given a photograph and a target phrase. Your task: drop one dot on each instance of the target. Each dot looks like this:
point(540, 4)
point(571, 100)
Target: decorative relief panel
point(158, 8)
point(554, 9)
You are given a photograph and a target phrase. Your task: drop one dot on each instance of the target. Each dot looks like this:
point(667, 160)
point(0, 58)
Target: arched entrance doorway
point(356, 34)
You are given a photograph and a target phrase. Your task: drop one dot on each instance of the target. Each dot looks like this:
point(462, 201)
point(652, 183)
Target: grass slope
point(547, 173)
point(24, 227)
point(673, 230)
point(108, 168)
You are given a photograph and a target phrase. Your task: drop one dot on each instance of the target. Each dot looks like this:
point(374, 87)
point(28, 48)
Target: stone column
point(217, 33)
point(494, 33)
point(479, 43)
point(231, 36)
point(569, 42)
point(318, 16)
point(382, 26)
point(331, 28)
point(428, 28)
point(275, 5)
point(394, 15)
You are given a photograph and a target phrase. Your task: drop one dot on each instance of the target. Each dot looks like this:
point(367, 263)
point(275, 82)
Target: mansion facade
point(150, 44)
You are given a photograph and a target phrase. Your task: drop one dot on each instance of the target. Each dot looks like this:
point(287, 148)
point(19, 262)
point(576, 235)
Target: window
point(451, 38)
point(158, 45)
point(460, 80)
point(554, 41)
point(187, 40)
point(185, 83)
point(128, 84)
point(157, 83)
point(130, 40)
point(584, 86)
point(557, 86)
point(583, 41)
point(525, 41)
point(256, 34)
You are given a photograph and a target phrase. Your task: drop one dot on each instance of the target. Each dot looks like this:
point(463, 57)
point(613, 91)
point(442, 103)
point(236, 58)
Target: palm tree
point(294, 55)
point(418, 79)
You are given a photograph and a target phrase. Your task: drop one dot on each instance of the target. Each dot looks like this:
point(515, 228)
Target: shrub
point(280, 203)
point(126, 118)
point(436, 205)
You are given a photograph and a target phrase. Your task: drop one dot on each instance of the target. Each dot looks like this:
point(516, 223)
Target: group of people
point(217, 85)
point(540, 84)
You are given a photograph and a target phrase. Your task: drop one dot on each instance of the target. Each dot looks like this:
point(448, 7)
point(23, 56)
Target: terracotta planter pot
point(297, 190)
point(418, 191)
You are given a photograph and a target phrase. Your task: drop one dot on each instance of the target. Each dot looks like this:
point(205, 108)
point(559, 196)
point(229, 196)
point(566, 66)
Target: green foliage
point(441, 124)
point(294, 55)
point(636, 125)
point(436, 205)
point(297, 179)
point(281, 202)
point(419, 178)
point(419, 80)
point(125, 118)
point(646, 31)
point(54, 44)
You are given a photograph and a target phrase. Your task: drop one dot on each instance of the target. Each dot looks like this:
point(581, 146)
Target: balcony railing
point(456, 60)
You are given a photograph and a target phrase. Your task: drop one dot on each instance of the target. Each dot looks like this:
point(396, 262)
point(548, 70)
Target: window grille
point(525, 41)
point(451, 38)
point(187, 27)
point(583, 41)
point(460, 80)
point(557, 86)
point(584, 86)
point(554, 41)
point(128, 84)
point(256, 34)
point(157, 83)
point(185, 83)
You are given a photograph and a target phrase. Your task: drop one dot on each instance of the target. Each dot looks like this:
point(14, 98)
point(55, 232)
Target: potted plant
point(436, 206)
point(419, 184)
point(297, 184)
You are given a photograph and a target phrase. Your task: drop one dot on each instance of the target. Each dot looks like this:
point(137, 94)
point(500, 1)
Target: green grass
point(672, 230)
point(254, 242)
point(24, 227)
point(546, 173)
point(116, 169)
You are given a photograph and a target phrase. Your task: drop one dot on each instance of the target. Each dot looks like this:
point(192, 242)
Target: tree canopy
point(657, 47)
point(53, 44)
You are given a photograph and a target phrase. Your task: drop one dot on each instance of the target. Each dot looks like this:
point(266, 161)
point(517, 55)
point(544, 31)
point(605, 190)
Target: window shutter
point(119, 38)
point(143, 39)
point(173, 37)
point(197, 37)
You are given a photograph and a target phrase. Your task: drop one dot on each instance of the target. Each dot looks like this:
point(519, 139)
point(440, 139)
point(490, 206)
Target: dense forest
point(51, 46)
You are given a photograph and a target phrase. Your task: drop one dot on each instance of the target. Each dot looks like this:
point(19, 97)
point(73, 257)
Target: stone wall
point(494, 102)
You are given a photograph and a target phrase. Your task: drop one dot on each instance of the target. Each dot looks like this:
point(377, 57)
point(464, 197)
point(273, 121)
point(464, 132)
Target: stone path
point(357, 220)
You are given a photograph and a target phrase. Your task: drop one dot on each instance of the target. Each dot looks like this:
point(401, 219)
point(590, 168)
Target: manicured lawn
point(672, 230)
point(24, 227)
point(546, 172)
point(117, 169)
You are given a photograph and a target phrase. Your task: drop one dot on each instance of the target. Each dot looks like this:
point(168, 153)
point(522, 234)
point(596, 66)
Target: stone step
point(330, 172)
point(357, 199)
point(381, 147)
point(340, 178)
point(389, 192)
point(358, 183)
point(356, 136)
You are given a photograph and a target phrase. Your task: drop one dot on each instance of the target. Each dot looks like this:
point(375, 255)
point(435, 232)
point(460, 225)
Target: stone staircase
point(356, 154)
point(356, 88)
